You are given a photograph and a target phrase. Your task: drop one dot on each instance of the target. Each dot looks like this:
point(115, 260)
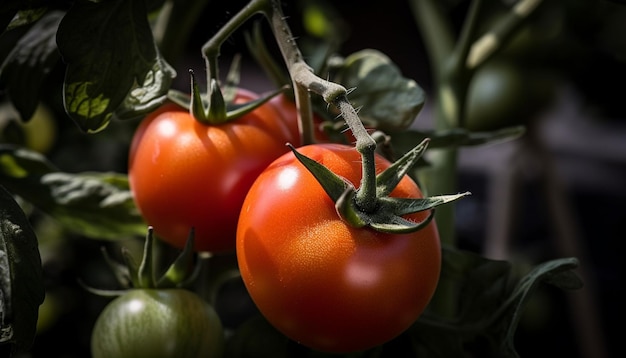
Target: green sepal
point(216, 112)
point(178, 271)
point(145, 273)
point(218, 109)
point(133, 268)
point(333, 185)
point(131, 275)
point(102, 292)
point(347, 211)
point(196, 106)
point(121, 271)
point(387, 180)
point(394, 224)
point(237, 110)
point(388, 212)
point(385, 219)
point(405, 206)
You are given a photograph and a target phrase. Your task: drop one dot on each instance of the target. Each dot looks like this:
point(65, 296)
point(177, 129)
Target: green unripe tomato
point(503, 94)
point(157, 323)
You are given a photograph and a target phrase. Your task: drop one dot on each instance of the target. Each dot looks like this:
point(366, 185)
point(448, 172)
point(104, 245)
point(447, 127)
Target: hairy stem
point(305, 80)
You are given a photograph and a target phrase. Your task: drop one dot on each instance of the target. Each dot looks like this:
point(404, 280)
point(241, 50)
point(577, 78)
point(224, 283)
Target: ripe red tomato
point(186, 174)
point(319, 281)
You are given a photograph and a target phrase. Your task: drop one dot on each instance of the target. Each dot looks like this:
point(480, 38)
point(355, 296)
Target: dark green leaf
point(556, 272)
point(404, 141)
point(144, 98)
point(387, 100)
point(110, 54)
point(96, 205)
point(26, 17)
point(491, 299)
point(21, 279)
point(29, 63)
point(14, 13)
point(5, 19)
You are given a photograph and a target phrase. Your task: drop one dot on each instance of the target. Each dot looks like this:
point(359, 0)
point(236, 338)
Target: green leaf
point(491, 300)
point(110, 55)
point(404, 141)
point(29, 63)
point(556, 272)
point(387, 100)
point(15, 13)
point(96, 205)
point(26, 17)
point(145, 97)
point(21, 279)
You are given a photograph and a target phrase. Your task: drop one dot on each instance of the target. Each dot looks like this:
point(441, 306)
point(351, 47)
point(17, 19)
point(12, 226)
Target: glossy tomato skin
point(322, 283)
point(157, 323)
point(186, 174)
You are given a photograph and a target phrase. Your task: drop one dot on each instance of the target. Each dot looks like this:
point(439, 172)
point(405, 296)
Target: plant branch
point(488, 44)
point(304, 80)
point(211, 49)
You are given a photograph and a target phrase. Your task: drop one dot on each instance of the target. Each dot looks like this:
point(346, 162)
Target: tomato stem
point(304, 80)
point(211, 49)
point(365, 199)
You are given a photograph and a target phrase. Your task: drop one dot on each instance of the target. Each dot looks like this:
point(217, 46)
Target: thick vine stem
point(366, 145)
point(304, 80)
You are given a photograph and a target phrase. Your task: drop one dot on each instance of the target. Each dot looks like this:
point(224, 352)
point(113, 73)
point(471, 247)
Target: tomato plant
point(157, 323)
point(320, 281)
point(336, 245)
point(187, 174)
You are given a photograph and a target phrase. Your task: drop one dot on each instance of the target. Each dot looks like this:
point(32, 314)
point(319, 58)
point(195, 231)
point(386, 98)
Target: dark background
point(581, 138)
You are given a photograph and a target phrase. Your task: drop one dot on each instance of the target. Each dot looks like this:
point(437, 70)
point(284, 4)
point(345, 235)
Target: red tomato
point(321, 282)
point(186, 174)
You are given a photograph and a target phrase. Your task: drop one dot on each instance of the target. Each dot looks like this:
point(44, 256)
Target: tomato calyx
point(131, 275)
point(384, 213)
point(217, 106)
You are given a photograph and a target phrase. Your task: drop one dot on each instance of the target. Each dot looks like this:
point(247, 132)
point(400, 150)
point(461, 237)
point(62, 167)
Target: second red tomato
point(187, 174)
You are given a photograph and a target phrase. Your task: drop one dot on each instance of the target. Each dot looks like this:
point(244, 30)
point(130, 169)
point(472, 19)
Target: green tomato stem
point(302, 77)
point(211, 49)
point(366, 197)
